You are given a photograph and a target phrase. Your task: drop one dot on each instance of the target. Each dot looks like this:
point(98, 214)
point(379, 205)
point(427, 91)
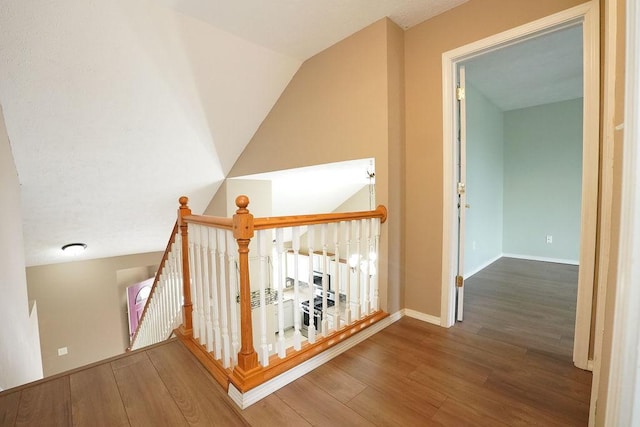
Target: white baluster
point(336, 275)
point(224, 300)
point(311, 331)
point(232, 251)
point(346, 225)
point(376, 264)
point(172, 283)
point(325, 288)
point(364, 266)
point(194, 296)
point(199, 283)
point(297, 336)
point(204, 242)
point(215, 285)
point(282, 351)
point(263, 254)
point(357, 258)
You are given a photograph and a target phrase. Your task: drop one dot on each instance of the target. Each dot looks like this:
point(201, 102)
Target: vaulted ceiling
point(116, 108)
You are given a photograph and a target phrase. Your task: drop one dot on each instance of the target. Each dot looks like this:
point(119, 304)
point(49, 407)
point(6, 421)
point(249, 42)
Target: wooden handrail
point(165, 257)
point(210, 221)
point(187, 305)
point(297, 220)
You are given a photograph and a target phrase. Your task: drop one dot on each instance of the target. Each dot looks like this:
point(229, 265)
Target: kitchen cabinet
point(287, 310)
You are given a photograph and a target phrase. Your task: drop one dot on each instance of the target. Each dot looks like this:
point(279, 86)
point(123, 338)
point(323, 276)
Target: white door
point(461, 190)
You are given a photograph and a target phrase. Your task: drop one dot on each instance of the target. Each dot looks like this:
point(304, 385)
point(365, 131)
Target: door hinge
point(459, 281)
point(461, 188)
point(459, 93)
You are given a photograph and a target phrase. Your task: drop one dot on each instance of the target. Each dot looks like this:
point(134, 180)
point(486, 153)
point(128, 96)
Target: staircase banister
point(313, 219)
point(211, 221)
point(165, 256)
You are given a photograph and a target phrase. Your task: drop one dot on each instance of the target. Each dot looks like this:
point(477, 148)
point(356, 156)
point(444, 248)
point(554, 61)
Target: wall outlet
point(549, 238)
point(473, 245)
point(62, 351)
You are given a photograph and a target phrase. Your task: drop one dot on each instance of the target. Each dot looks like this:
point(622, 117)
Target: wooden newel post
point(243, 232)
point(187, 305)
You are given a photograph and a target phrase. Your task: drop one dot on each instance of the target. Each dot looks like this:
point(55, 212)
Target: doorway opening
point(580, 21)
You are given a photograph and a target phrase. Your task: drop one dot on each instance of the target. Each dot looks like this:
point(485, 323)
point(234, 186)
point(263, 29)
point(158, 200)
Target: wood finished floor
point(508, 363)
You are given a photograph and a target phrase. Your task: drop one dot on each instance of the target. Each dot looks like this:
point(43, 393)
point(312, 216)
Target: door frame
point(587, 15)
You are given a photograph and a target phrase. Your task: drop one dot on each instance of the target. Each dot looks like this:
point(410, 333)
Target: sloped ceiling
point(116, 108)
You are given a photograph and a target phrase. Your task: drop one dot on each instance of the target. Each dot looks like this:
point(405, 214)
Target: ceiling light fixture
point(74, 248)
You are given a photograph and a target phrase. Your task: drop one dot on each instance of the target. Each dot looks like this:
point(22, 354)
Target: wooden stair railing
point(211, 266)
point(148, 332)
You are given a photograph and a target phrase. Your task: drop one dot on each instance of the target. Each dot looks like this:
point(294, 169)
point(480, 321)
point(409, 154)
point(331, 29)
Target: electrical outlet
point(62, 351)
point(549, 238)
point(473, 245)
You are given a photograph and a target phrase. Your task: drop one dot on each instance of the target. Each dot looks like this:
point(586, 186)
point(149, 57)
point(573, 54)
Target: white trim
point(434, 320)
point(606, 191)
point(482, 267)
point(587, 15)
point(244, 400)
point(542, 258)
point(623, 390)
point(590, 173)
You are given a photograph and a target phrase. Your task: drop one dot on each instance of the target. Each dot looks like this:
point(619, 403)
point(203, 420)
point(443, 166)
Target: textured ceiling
point(302, 28)
point(116, 108)
point(542, 70)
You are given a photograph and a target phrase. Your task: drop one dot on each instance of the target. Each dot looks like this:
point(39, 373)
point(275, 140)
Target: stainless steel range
point(317, 310)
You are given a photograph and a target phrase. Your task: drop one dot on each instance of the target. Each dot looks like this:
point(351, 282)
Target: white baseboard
point(482, 267)
point(421, 316)
point(541, 258)
point(244, 400)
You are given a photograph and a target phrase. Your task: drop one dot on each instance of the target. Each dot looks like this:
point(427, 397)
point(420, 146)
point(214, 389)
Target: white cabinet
point(287, 310)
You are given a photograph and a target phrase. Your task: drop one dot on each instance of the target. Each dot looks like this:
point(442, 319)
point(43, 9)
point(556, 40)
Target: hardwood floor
point(501, 367)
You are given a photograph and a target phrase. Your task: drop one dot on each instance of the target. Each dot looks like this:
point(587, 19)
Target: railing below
point(163, 310)
point(310, 282)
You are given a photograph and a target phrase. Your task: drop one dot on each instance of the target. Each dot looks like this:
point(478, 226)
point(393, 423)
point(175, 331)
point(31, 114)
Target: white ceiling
point(302, 28)
point(537, 71)
point(116, 108)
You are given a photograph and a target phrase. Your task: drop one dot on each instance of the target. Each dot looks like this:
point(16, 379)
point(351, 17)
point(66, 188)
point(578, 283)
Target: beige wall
point(341, 105)
point(81, 306)
point(19, 342)
point(424, 45)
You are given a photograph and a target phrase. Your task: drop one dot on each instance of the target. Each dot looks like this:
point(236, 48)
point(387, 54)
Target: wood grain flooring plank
point(95, 398)
point(336, 382)
point(199, 397)
point(144, 395)
point(488, 402)
point(384, 409)
point(544, 399)
point(420, 396)
point(388, 352)
point(318, 407)
point(273, 412)
point(47, 403)
point(9, 408)
point(455, 413)
point(553, 365)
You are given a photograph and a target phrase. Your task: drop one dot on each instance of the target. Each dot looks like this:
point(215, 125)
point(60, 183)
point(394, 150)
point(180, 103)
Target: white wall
point(20, 360)
point(129, 97)
point(485, 177)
